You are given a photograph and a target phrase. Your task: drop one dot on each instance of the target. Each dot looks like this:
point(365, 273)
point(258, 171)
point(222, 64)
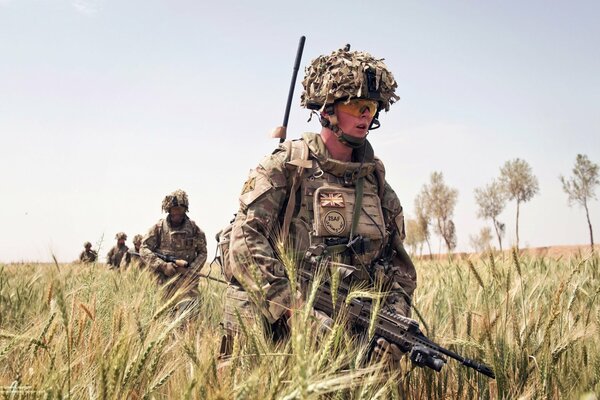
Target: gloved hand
point(384, 349)
point(181, 263)
point(169, 269)
point(181, 266)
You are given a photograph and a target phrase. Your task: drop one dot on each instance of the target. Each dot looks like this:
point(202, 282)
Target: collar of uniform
point(170, 224)
point(341, 168)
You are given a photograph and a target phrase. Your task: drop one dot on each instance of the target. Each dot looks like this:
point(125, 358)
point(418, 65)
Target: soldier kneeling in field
point(88, 255)
point(328, 192)
point(132, 257)
point(175, 248)
point(117, 252)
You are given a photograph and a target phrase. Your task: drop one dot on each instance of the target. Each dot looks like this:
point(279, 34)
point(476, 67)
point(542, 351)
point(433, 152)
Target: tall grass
point(73, 331)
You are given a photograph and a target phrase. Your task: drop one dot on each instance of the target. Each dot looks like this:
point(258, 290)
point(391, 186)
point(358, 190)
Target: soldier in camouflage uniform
point(115, 255)
point(132, 257)
point(324, 175)
point(88, 255)
point(179, 237)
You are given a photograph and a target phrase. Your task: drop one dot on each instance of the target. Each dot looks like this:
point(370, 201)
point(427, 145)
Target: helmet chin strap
point(347, 140)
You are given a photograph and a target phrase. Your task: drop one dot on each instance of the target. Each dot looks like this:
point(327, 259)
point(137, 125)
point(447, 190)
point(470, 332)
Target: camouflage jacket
point(186, 242)
point(88, 256)
point(114, 256)
point(323, 215)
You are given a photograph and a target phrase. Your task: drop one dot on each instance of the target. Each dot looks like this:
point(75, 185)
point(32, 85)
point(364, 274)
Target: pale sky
point(107, 106)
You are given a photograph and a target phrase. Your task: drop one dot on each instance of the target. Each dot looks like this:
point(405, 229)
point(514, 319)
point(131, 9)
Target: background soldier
point(309, 188)
point(114, 256)
point(88, 255)
point(132, 257)
point(179, 239)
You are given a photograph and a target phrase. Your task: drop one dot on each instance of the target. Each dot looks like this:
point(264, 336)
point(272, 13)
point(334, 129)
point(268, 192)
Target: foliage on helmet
point(177, 198)
point(137, 239)
point(87, 244)
point(121, 235)
point(344, 75)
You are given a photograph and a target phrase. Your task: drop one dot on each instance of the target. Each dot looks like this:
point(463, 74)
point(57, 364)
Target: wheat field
point(85, 332)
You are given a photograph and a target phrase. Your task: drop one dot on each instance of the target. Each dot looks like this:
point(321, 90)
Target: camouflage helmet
point(121, 235)
point(344, 75)
point(177, 198)
point(137, 239)
point(87, 244)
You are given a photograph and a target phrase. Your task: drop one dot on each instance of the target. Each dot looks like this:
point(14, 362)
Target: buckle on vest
point(315, 253)
point(350, 177)
point(359, 245)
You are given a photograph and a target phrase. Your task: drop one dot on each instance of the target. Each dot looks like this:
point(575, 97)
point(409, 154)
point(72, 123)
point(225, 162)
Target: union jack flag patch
point(335, 200)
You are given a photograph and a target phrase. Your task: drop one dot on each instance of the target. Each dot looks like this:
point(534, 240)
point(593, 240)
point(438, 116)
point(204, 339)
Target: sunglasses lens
point(357, 107)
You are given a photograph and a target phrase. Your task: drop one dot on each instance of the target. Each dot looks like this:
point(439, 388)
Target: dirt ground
point(559, 251)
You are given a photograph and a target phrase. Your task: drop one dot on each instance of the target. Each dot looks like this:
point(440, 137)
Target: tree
point(422, 218)
point(414, 236)
point(481, 242)
point(519, 183)
point(439, 201)
point(491, 201)
point(581, 186)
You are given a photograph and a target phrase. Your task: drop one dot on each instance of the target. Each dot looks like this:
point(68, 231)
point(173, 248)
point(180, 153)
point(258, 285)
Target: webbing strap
point(357, 205)
point(291, 205)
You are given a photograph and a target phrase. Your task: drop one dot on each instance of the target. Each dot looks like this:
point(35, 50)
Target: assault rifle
point(172, 259)
point(167, 258)
point(397, 329)
point(182, 264)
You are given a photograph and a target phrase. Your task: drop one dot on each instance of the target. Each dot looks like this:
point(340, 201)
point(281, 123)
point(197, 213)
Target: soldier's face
point(88, 247)
point(121, 242)
point(354, 124)
point(177, 213)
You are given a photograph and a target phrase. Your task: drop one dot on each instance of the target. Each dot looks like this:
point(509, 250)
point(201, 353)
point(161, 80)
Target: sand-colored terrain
point(558, 251)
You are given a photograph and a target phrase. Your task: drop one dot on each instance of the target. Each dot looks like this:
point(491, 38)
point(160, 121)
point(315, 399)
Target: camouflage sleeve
point(125, 260)
point(81, 255)
point(150, 243)
point(253, 260)
point(201, 251)
point(404, 278)
point(109, 256)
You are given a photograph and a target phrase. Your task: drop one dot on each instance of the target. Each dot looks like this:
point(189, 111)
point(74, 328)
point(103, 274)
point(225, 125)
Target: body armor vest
point(117, 255)
point(324, 212)
point(180, 242)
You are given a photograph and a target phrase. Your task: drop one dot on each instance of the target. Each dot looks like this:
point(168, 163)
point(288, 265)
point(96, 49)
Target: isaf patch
point(249, 185)
point(334, 222)
point(335, 200)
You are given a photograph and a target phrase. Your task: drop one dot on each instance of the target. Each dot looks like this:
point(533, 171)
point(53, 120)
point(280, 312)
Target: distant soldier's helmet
point(87, 244)
point(121, 235)
point(346, 75)
point(177, 198)
point(137, 239)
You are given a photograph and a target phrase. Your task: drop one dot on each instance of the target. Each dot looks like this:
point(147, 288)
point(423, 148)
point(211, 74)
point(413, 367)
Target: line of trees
point(435, 203)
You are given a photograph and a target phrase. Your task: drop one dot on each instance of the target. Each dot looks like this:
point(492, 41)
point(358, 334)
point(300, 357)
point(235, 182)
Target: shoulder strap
point(298, 151)
point(380, 174)
point(360, 184)
point(195, 227)
point(158, 231)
